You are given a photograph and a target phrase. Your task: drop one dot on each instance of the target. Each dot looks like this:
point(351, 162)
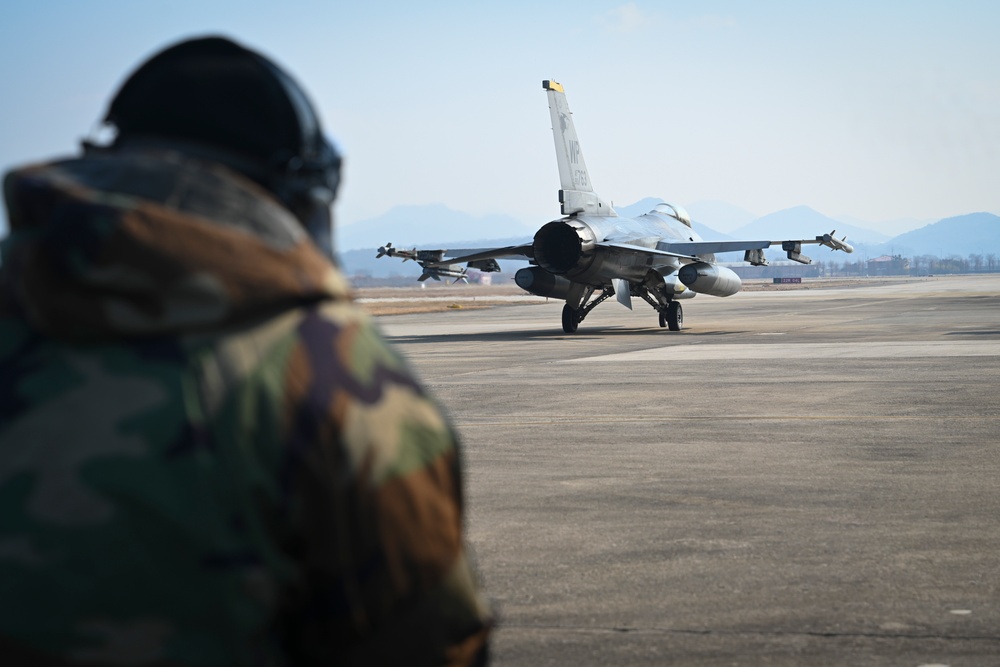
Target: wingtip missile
point(832, 242)
point(388, 251)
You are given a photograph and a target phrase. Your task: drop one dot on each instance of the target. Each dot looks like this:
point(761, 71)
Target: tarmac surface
point(797, 478)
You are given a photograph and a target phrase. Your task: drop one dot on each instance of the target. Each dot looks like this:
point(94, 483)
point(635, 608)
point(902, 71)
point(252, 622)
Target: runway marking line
point(515, 420)
point(765, 351)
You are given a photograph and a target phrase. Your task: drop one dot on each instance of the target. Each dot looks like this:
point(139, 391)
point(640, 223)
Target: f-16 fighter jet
point(591, 253)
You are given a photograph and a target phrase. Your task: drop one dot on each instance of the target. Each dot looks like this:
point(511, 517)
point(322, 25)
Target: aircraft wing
point(460, 255)
point(443, 263)
point(659, 251)
point(754, 249)
point(706, 247)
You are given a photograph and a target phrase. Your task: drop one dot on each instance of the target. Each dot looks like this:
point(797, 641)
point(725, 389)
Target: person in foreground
point(208, 454)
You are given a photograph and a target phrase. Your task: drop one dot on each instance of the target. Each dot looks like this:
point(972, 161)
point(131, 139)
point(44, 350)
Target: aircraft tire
point(663, 320)
point(674, 316)
point(569, 321)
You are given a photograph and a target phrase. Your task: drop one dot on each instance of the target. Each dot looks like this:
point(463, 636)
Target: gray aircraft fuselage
point(568, 246)
point(656, 256)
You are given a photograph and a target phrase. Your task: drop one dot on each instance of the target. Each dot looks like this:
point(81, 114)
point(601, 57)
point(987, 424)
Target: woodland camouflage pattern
point(208, 455)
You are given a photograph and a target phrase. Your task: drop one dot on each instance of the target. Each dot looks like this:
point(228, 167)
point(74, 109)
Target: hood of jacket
point(115, 245)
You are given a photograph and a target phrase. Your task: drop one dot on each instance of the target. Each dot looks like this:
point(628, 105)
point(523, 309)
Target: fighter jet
point(591, 253)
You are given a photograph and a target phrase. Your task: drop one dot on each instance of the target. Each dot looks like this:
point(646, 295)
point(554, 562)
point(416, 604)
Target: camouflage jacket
point(208, 455)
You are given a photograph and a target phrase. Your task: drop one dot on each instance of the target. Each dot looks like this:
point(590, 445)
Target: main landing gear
point(672, 316)
point(571, 317)
point(671, 313)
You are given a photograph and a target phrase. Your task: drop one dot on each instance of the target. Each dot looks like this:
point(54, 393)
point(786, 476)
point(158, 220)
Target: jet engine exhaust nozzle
point(564, 246)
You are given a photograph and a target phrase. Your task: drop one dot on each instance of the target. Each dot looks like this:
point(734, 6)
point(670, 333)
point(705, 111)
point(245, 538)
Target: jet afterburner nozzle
point(564, 246)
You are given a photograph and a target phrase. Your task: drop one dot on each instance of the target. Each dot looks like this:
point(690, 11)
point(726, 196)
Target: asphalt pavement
point(807, 477)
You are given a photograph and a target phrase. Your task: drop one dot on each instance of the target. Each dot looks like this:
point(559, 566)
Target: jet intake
point(540, 282)
point(564, 246)
point(710, 279)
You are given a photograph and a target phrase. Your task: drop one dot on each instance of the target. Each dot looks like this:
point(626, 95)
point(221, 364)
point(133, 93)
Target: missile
point(832, 242)
point(447, 272)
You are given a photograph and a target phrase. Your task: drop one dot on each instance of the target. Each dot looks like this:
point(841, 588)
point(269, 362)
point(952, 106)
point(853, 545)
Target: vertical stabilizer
point(576, 194)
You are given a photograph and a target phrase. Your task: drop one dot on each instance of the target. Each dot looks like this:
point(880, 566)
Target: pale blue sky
point(876, 110)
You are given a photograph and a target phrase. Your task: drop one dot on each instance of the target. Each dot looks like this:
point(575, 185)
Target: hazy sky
point(876, 110)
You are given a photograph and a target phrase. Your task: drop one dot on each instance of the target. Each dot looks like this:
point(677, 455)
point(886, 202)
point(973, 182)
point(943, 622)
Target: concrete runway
point(798, 478)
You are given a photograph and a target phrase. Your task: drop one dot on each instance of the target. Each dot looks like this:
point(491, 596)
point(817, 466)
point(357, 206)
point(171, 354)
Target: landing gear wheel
point(674, 316)
point(569, 319)
point(663, 320)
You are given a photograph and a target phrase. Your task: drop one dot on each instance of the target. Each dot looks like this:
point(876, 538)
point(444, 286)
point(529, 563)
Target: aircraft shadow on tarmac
point(986, 332)
point(551, 334)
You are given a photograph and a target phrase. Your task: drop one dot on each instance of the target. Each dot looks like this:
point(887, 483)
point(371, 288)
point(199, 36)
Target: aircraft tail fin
point(576, 195)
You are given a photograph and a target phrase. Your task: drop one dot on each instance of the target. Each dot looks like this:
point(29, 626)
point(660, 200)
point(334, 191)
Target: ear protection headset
point(222, 101)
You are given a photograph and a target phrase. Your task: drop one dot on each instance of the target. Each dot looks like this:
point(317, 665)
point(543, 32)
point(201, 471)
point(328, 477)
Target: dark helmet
point(226, 102)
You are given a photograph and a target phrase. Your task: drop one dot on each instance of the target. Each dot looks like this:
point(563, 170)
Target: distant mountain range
point(422, 225)
point(963, 235)
point(436, 226)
